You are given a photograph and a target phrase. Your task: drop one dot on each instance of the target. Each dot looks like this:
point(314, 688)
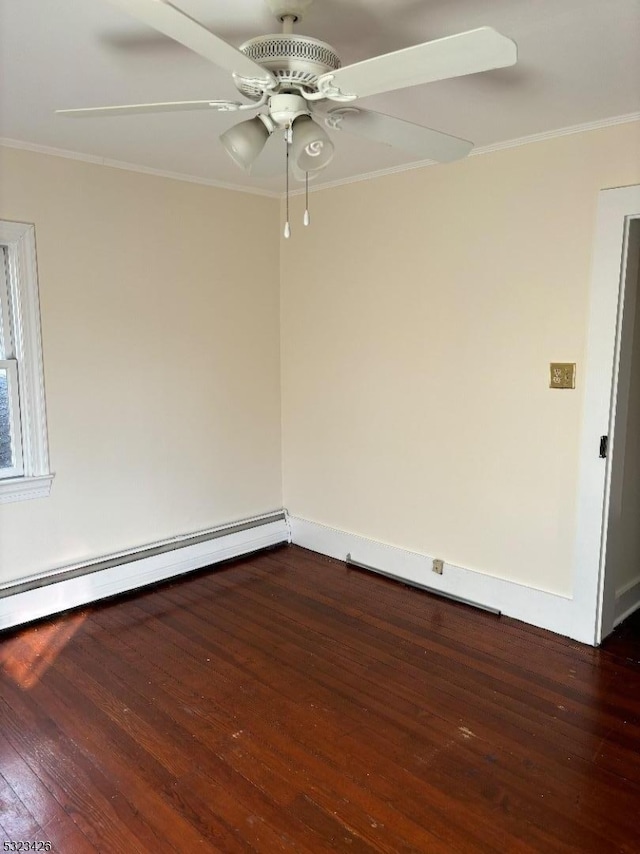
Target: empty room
point(319, 426)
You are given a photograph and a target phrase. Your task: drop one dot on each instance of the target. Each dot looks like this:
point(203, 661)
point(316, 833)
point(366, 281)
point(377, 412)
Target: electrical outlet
point(562, 375)
point(438, 565)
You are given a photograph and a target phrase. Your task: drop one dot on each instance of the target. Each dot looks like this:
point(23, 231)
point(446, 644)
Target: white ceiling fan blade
point(171, 21)
point(453, 56)
point(162, 107)
point(421, 142)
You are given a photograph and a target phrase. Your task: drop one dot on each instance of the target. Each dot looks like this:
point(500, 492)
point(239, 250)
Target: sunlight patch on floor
point(26, 656)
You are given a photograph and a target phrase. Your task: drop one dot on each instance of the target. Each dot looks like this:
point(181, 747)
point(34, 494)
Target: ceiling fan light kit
point(290, 78)
point(311, 148)
point(244, 142)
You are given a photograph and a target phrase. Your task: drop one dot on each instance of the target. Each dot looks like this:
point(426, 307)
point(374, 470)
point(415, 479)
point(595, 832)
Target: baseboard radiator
point(49, 593)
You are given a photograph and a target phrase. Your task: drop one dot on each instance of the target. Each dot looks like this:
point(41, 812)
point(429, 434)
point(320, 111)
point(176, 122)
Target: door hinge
point(604, 446)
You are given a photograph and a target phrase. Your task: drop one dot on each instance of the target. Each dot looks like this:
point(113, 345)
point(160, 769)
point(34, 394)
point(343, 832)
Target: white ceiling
point(579, 62)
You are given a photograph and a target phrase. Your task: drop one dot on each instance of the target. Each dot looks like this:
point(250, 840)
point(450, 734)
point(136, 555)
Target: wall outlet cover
point(562, 375)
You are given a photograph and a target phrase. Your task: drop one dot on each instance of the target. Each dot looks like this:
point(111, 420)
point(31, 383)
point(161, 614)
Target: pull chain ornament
point(306, 218)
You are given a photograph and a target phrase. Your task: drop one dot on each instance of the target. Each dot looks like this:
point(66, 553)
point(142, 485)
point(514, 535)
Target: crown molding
point(133, 167)
point(486, 149)
point(328, 185)
point(553, 134)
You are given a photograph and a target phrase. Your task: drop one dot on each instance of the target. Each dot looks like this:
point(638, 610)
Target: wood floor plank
point(122, 758)
point(599, 732)
point(221, 781)
point(549, 793)
point(498, 645)
point(426, 619)
point(227, 634)
point(103, 815)
point(284, 717)
point(17, 821)
point(448, 683)
point(498, 755)
point(223, 734)
point(285, 702)
point(47, 812)
point(278, 771)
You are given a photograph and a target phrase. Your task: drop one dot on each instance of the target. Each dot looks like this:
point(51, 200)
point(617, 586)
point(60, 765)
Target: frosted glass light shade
point(244, 142)
point(311, 148)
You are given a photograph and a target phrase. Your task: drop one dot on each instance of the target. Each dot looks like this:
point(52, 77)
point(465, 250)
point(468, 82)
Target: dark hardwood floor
point(287, 703)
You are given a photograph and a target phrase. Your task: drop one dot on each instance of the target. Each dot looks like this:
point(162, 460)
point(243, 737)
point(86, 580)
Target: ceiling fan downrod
point(293, 9)
point(287, 25)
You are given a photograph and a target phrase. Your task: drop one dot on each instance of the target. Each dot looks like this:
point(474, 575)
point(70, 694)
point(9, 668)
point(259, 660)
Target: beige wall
point(419, 315)
point(161, 351)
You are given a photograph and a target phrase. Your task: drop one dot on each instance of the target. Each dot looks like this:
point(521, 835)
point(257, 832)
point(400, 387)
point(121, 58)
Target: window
point(24, 454)
point(10, 430)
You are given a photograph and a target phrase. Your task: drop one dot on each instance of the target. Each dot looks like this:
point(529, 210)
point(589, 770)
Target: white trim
point(133, 167)
point(531, 605)
point(569, 130)
point(627, 601)
point(25, 488)
point(20, 242)
point(59, 596)
point(275, 194)
point(6, 334)
point(289, 531)
point(615, 206)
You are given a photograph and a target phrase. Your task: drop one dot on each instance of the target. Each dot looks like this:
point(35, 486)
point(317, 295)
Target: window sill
point(25, 488)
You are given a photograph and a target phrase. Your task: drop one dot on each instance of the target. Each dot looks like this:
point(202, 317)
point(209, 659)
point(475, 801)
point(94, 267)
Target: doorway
point(620, 595)
point(607, 551)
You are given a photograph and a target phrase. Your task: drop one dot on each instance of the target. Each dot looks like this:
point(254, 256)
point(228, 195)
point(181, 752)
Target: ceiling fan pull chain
point(287, 227)
point(306, 219)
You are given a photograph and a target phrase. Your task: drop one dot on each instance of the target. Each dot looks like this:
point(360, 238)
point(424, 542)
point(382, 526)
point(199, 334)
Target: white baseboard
point(537, 607)
point(627, 601)
point(126, 573)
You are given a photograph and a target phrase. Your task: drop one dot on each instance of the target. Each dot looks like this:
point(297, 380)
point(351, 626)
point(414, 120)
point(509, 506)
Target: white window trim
point(19, 239)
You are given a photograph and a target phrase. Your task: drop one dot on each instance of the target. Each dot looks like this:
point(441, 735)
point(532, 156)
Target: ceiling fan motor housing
point(294, 60)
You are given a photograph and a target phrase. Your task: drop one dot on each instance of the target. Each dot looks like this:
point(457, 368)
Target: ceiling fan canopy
point(298, 85)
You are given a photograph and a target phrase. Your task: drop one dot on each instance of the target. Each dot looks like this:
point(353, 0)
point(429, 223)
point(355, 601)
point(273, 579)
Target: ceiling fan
point(294, 81)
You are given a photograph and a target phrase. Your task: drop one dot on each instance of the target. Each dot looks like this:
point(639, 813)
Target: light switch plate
point(562, 375)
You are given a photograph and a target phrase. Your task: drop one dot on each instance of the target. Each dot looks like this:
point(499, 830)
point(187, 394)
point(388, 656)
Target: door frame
point(593, 600)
